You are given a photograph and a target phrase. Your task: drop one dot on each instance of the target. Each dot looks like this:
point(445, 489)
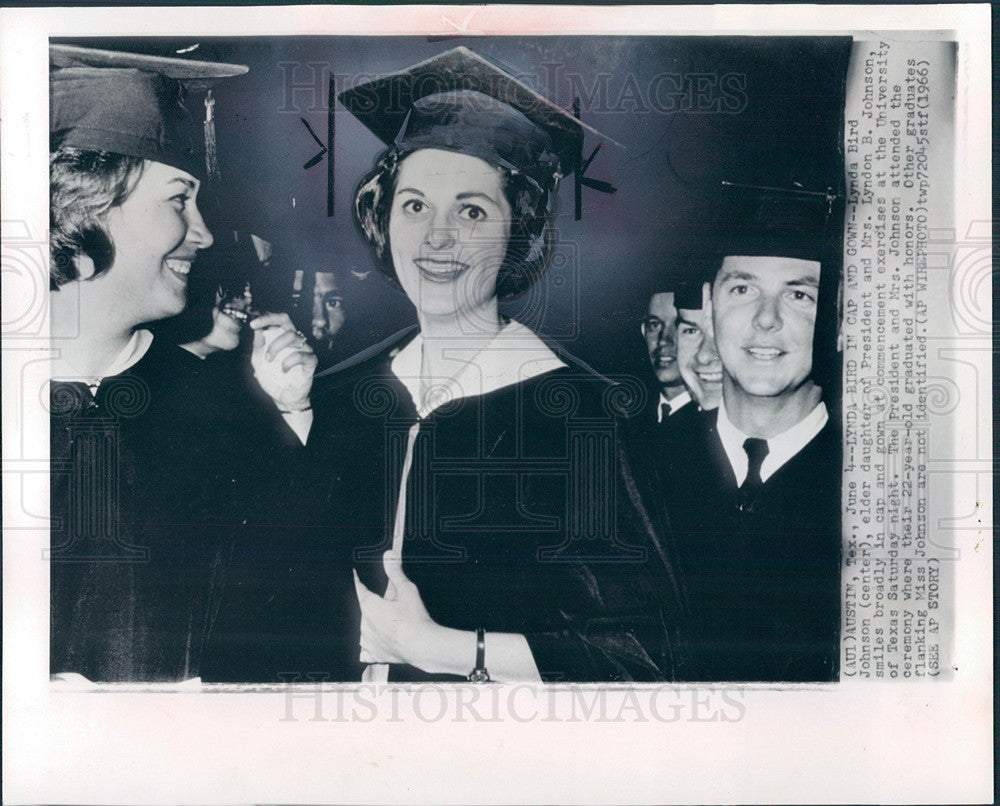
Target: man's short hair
point(530, 242)
point(84, 186)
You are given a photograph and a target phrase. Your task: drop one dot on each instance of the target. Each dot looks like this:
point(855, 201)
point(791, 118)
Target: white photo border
point(901, 742)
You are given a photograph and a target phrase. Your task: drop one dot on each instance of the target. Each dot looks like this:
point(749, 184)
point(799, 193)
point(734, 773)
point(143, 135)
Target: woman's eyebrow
point(189, 184)
point(409, 190)
point(476, 195)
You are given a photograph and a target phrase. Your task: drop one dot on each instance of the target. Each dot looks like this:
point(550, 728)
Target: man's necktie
point(664, 412)
point(750, 491)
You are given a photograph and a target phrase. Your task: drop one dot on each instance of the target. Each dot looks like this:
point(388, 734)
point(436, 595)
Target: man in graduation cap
point(484, 536)
point(759, 510)
point(143, 501)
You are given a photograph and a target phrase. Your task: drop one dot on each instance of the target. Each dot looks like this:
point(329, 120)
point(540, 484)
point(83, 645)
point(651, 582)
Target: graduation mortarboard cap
point(778, 222)
point(696, 269)
point(687, 295)
point(133, 104)
point(458, 101)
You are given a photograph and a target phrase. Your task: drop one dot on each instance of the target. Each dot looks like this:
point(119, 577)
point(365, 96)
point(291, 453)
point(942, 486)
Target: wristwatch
point(479, 674)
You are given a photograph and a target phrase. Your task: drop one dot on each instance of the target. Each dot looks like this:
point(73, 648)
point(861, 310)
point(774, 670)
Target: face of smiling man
point(763, 314)
point(698, 359)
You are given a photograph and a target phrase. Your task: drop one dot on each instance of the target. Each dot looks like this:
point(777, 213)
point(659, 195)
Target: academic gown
point(140, 509)
point(764, 589)
point(267, 557)
point(522, 515)
point(684, 419)
point(673, 434)
point(154, 479)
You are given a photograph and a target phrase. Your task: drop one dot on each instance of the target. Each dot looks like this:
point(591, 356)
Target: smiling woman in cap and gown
point(473, 472)
point(143, 493)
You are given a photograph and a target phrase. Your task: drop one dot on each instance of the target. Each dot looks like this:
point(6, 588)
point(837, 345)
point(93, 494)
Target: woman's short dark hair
point(83, 187)
point(530, 242)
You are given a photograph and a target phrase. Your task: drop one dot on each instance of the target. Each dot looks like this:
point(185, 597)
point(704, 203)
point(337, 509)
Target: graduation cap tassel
point(595, 184)
point(590, 159)
point(582, 165)
point(142, 103)
point(598, 185)
point(211, 156)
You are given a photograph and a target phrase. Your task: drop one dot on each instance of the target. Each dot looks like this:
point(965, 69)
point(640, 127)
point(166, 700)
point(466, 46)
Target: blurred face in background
point(327, 307)
point(697, 357)
point(659, 328)
point(225, 333)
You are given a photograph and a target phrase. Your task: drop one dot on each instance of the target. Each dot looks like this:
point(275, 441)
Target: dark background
point(689, 113)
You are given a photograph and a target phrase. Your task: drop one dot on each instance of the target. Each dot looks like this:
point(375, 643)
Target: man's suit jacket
point(764, 588)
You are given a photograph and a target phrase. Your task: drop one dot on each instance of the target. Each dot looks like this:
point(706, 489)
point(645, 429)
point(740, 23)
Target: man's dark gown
point(764, 588)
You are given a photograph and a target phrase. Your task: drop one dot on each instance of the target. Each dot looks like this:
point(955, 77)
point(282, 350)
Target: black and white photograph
point(423, 382)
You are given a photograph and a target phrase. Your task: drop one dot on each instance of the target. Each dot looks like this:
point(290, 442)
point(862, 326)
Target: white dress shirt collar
point(676, 403)
point(515, 354)
point(780, 448)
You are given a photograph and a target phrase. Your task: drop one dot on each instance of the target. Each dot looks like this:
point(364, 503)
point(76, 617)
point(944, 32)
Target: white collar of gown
point(514, 355)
